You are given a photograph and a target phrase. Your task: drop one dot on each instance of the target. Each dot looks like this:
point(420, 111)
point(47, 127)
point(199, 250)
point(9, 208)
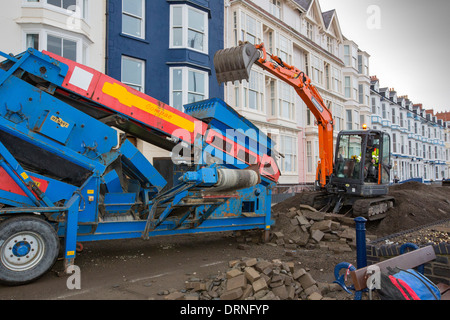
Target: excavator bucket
point(234, 64)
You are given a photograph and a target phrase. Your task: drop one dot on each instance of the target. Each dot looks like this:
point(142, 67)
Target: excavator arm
point(234, 64)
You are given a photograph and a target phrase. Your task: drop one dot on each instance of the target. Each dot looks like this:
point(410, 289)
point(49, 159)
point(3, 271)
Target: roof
point(327, 16)
point(304, 3)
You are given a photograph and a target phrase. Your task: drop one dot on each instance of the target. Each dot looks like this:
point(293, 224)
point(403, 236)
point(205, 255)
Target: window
point(289, 150)
point(347, 55)
point(133, 18)
point(337, 80)
point(330, 45)
point(317, 69)
point(374, 106)
point(187, 86)
point(32, 41)
point(309, 156)
point(285, 101)
point(189, 28)
point(62, 47)
point(254, 89)
point(250, 29)
point(348, 89)
point(327, 75)
point(283, 51)
point(133, 73)
point(275, 8)
point(349, 120)
point(65, 4)
point(361, 94)
point(360, 64)
point(309, 30)
point(338, 116)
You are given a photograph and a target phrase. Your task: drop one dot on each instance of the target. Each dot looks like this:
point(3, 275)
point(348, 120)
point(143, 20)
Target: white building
point(356, 82)
point(418, 138)
point(74, 29)
point(301, 35)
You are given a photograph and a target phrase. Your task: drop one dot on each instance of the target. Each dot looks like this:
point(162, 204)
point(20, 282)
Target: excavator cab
point(362, 163)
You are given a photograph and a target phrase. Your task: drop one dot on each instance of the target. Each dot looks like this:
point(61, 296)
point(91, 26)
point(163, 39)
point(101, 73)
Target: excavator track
point(373, 208)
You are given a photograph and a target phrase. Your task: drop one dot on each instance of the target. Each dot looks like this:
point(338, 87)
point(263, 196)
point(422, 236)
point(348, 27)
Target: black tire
point(29, 247)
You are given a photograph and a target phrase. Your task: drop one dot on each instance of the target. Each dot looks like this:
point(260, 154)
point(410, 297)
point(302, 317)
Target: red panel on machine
point(8, 184)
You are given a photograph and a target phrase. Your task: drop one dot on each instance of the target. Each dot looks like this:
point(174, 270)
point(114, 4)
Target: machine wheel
point(29, 247)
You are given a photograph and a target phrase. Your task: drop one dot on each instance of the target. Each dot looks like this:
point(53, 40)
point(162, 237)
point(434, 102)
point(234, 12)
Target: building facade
point(74, 29)
point(301, 35)
point(417, 136)
point(356, 82)
point(165, 49)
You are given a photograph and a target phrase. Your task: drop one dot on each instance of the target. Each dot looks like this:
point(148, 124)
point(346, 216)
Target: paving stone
point(315, 296)
point(233, 273)
point(281, 292)
point(251, 262)
point(236, 282)
point(251, 274)
point(315, 216)
point(232, 294)
point(298, 273)
point(317, 235)
point(259, 284)
point(324, 225)
point(306, 281)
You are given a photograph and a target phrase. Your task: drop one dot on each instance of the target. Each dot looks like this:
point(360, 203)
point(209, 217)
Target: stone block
point(233, 273)
point(251, 274)
point(302, 220)
point(232, 294)
point(298, 273)
point(317, 235)
point(236, 282)
point(259, 285)
point(315, 296)
point(250, 262)
point(324, 225)
point(306, 281)
point(281, 292)
point(262, 265)
point(315, 216)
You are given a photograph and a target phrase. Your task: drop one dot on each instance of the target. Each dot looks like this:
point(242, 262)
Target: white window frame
point(143, 20)
point(80, 9)
point(285, 96)
point(293, 156)
point(185, 84)
point(43, 33)
point(142, 87)
point(185, 28)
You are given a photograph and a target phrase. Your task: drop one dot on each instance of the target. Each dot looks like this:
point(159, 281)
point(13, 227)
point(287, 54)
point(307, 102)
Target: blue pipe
point(361, 253)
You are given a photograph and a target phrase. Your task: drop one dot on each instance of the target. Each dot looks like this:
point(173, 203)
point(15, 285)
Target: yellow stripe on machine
point(131, 100)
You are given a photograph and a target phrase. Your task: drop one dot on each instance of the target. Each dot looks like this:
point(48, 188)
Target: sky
point(408, 41)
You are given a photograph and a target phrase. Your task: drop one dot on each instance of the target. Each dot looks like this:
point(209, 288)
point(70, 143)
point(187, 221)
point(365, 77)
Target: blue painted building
point(165, 48)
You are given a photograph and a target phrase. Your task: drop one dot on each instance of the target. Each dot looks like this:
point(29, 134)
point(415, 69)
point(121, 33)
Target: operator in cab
point(372, 160)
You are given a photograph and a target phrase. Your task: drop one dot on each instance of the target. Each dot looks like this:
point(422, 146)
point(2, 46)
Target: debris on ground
point(258, 279)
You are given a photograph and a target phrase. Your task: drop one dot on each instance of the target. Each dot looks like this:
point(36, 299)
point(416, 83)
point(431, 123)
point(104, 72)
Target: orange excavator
point(353, 179)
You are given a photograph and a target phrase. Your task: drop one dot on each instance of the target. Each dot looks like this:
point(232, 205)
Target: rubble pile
point(258, 279)
point(304, 226)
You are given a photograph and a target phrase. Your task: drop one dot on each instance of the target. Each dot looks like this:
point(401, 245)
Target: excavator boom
point(234, 64)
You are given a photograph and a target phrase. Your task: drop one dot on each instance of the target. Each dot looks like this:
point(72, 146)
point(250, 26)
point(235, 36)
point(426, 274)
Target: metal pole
point(361, 254)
